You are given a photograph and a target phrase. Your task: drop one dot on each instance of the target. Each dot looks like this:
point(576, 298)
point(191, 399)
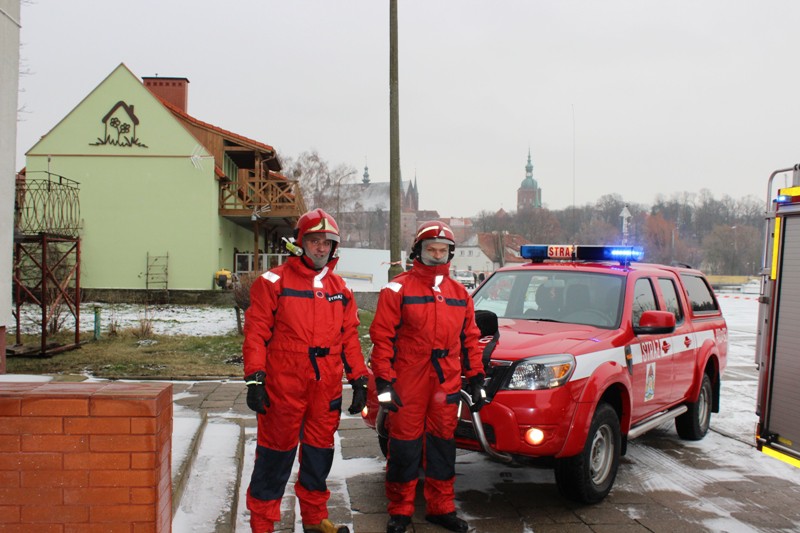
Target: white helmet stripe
point(426, 228)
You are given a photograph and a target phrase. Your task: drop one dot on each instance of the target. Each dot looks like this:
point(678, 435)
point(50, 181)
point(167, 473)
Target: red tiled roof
point(197, 122)
point(511, 242)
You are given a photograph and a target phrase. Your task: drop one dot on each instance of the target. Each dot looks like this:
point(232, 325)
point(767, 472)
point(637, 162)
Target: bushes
point(241, 289)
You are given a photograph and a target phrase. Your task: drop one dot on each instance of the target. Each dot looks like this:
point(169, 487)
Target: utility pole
point(394, 147)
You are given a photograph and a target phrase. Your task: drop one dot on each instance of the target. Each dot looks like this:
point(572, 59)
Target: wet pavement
point(663, 485)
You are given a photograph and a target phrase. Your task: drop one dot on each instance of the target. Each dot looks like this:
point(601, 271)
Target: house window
point(244, 263)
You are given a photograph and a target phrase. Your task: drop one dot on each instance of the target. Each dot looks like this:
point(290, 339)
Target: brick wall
point(85, 457)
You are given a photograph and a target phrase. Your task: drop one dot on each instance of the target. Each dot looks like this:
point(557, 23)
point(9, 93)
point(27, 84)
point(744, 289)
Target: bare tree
point(323, 185)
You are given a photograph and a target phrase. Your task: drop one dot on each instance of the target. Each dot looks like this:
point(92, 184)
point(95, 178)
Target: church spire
point(529, 182)
point(529, 166)
point(529, 195)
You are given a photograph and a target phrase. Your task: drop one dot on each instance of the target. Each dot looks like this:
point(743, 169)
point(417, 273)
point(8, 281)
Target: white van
point(465, 277)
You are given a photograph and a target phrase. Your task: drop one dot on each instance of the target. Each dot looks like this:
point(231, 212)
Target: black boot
point(448, 521)
point(398, 523)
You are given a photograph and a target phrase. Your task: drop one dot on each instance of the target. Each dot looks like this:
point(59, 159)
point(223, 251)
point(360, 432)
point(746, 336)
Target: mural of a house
point(171, 193)
point(119, 126)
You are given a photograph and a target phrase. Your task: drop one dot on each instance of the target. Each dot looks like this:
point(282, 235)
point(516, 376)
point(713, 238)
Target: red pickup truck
point(592, 349)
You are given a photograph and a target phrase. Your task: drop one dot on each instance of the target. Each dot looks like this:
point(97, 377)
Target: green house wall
point(156, 195)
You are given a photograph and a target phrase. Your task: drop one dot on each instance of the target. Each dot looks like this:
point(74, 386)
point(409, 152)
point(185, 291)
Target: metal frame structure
point(47, 254)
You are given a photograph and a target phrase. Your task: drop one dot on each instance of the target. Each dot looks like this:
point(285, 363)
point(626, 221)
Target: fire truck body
point(778, 337)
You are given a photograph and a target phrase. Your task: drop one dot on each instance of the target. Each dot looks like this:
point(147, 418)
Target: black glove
point(257, 397)
point(476, 392)
point(359, 395)
point(387, 396)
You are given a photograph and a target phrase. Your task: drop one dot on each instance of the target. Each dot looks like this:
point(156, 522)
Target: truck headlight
point(539, 373)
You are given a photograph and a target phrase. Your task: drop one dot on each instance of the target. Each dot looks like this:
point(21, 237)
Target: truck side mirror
point(655, 323)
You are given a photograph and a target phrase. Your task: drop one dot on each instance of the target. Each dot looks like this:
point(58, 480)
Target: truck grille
point(465, 430)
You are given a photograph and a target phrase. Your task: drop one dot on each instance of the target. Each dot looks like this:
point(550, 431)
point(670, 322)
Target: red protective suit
point(424, 337)
point(300, 329)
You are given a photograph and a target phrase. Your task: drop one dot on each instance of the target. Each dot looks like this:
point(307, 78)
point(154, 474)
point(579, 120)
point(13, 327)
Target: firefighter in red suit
point(425, 338)
point(300, 333)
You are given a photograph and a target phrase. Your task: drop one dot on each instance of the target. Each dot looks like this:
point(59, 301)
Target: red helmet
point(316, 221)
point(436, 230)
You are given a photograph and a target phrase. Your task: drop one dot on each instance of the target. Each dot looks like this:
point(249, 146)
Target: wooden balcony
point(270, 196)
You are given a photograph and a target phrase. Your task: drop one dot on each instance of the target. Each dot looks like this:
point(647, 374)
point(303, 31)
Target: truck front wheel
point(589, 476)
point(693, 424)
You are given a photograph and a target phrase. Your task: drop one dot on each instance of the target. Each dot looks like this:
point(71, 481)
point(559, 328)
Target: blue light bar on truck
point(540, 252)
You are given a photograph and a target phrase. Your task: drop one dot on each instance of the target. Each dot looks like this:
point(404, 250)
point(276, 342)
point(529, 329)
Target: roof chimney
point(173, 90)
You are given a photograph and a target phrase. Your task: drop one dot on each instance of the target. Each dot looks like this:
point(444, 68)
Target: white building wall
point(9, 85)
point(471, 258)
point(365, 270)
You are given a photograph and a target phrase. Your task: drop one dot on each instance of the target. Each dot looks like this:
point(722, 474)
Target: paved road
point(664, 484)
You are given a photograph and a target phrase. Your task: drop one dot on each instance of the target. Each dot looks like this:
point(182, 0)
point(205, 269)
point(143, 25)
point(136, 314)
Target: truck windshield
point(588, 298)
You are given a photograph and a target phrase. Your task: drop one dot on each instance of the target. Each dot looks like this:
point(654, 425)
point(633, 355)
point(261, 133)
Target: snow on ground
point(210, 480)
point(196, 320)
point(23, 378)
point(185, 423)
point(737, 416)
point(248, 460)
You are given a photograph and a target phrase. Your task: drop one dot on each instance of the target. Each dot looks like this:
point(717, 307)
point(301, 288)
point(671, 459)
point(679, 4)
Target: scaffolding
point(47, 257)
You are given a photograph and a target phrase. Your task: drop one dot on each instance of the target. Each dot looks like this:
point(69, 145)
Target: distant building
point(529, 194)
point(362, 212)
point(486, 252)
point(462, 228)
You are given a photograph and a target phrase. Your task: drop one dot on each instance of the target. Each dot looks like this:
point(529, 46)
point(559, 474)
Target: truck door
point(683, 343)
point(783, 397)
point(652, 364)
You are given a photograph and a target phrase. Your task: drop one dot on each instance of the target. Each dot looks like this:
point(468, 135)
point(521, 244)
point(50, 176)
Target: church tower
point(529, 195)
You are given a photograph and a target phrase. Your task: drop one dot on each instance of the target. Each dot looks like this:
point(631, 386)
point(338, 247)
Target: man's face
point(317, 248)
point(434, 253)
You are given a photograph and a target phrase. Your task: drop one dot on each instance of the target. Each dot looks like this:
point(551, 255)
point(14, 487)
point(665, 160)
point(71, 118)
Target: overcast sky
point(635, 97)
